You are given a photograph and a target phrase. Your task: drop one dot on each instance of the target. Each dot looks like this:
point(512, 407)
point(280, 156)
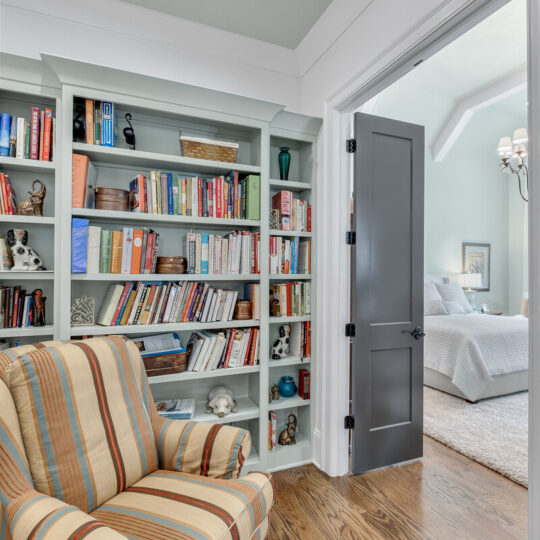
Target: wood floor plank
point(443, 496)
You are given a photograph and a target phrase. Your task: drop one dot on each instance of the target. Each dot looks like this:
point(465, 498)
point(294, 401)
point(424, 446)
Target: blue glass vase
point(284, 160)
point(286, 386)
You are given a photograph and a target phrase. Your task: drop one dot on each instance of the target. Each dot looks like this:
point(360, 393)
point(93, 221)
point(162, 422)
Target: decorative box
point(112, 199)
point(200, 148)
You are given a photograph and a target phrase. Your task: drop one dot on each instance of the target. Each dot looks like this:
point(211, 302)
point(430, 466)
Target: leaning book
point(179, 409)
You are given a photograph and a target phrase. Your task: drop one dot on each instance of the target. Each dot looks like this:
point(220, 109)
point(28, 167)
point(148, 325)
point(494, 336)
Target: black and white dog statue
point(280, 348)
point(24, 257)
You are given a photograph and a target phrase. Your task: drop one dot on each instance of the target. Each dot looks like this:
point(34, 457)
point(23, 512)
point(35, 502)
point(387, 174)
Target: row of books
point(290, 299)
point(156, 303)
point(232, 348)
point(17, 308)
point(172, 194)
point(96, 250)
point(100, 121)
point(234, 253)
point(299, 340)
point(290, 213)
point(28, 140)
point(290, 256)
point(8, 204)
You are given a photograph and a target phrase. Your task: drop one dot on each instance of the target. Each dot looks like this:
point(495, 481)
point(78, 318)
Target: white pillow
point(454, 293)
point(432, 278)
point(431, 292)
point(435, 307)
point(454, 308)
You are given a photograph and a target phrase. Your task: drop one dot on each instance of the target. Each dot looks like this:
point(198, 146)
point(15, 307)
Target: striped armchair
point(84, 454)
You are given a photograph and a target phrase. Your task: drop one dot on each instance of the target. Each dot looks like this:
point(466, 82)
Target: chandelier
point(513, 152)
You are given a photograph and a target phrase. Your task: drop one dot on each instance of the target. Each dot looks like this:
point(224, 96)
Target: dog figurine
point(280, 348)
point(33, 206)
point(221, 401)
point(288, 436)
point(24, 257)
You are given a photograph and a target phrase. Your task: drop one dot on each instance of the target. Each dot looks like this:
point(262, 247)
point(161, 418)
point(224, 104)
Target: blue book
point(119, 318)
point(109, 124)
point(204, 253)
point(5, 129)
point(293, 258)
point(204, 197)
point(79, 245)
point(170, 194)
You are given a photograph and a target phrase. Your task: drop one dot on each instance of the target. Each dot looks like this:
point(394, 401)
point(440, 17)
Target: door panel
point(387, 292)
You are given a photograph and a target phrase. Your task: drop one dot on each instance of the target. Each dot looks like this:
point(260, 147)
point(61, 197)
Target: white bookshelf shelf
point(282, 320)
point(46, 330)
point(139, 158)
point(301, 440)
point(289, 361)
point(109, 216)
point(288, 185)
point(247, 410)
point(288, 277)
point(27, 165)
point(193, 375)
point(24, 276)
point(288, 403)
point(164, 277)
point(97, 330)
point(27, 220)
point(278, 232)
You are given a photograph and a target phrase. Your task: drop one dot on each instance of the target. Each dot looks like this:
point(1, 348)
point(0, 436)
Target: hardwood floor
point(443, 496)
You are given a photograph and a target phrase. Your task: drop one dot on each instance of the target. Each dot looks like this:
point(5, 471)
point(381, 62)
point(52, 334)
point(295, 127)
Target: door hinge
point(350, 330)
point(350, 238)
point(349, 422)
point(350, 145)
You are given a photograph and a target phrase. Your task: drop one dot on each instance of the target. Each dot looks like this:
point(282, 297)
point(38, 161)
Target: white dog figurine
point(221, 401)
point(24, 257)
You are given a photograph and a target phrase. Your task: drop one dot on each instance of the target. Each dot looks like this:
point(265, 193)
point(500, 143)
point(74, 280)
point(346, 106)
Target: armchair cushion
point(85, 428)
point(168, 504)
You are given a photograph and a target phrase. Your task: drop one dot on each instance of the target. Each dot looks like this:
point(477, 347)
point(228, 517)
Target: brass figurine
point(275, 392)
point(288, 436)
point(33, 206)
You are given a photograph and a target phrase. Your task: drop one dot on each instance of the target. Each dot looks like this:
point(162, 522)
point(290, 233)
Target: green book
point(105, 252)
point(253, 197)
point(158, 188)
point(27, 141)
point(177, 193)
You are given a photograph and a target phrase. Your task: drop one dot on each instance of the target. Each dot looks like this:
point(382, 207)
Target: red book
point(189, 300)
point(219, 197)
point(229, 348)
point(47, 132)
point(251, 361)
point(125, 292)
point(199, 190)
point(150, 253)
point(5, 198)
point(304, 383)
point(143, 193)
point(41, 132)
point(248, 348)
point(11, 210)
point(289, 300)
point(136, 252)
point(308, 225)
point(237, 203)
point(34, 133)
point(210, 185)
point(15, 316)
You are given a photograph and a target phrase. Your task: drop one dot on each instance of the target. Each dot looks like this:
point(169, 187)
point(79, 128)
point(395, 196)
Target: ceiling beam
point(465, 108)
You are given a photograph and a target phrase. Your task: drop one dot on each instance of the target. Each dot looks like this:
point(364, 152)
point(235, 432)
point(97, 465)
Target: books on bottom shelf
point(300, 340)
point(178, 409)
point(290, 256)
point(290, 299)
point(17, 309)
point(233, 348)
point(139, 302)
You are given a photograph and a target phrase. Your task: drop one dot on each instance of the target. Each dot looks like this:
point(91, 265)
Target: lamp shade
point(520, 150)
point(470, 281)
point(505, 147)
point(520, 136)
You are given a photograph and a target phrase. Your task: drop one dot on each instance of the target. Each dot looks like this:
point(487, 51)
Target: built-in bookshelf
point(161, 110)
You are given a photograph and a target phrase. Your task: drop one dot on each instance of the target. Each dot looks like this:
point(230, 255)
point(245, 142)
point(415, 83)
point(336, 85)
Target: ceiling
point(281, 22)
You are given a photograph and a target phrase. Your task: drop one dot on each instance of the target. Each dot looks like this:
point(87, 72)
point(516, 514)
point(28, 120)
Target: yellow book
point(116, 252)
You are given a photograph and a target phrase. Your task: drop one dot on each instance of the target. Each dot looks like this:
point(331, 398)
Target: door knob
point(417, 333)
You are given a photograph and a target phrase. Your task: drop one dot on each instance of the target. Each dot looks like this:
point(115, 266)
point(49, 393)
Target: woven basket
point(196, 147)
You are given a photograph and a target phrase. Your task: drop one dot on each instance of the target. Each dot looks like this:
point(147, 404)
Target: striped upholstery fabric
point(86, 431)
point(168, 505)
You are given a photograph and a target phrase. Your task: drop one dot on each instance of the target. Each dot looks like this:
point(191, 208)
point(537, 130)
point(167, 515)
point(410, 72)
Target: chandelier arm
point(520, 188)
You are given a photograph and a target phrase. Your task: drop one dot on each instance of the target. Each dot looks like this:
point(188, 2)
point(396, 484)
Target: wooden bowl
point(171, 265)
point(242, 311)
point(112, 199)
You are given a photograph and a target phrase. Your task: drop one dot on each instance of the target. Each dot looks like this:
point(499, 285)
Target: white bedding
point(471, 349)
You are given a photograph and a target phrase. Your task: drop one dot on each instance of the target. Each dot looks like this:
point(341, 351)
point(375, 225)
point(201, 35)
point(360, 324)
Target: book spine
point(47, 135)
point(27, 137)
point(34, 133)
point(203, 191)
point(5, 131)
point(79, 245)
point(89, 120)
point(21, 126)
point(105, 252)
point(121, 304)
point(116, 252)
point(170, 197)
point(204, 253)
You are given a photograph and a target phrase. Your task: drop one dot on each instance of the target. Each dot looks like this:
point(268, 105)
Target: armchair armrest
point(213, 450)
point(35, 515)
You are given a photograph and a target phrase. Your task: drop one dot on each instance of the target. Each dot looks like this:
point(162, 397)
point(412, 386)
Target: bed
point(475, 356)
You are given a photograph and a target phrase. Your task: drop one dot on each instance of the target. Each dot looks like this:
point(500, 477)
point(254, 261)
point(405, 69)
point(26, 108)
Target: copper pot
point(112, 199)
point(171, 265)
point(242, 311)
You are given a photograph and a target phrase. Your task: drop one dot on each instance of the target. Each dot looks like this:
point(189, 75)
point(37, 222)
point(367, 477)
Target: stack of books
point(8, 204)
point(290, 256)
point(96, 250)
point(235, 253)
point(177, 409)
point(16, 308)
point(100, 121)
point(290, 213)
point(226, 349)
point(28, 140)
point(224, 197)
point(290, 299)
point(156, 303)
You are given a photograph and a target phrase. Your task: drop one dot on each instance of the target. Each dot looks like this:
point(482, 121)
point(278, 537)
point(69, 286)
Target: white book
point(201, 359)
point(162, 291)
point(218, 295)
point(221, 307)
point(218, 351)
point(210, 253)
point(25, 309)
point(209, 353)
point(207, 304)
point(307, 294)
point(170, 302)
point(175, 309)
point(153, 184)
point(295, 340)
point(109, 304)
point(218, 269)
point(245, 259)
point(209, 317)
point(257, 346)
point(233, 305)
point(195, 353)
point(19, 148)
point(237, 253)
point(140, 290)
point(127, 249)
point(304, 249)
point(94, 245)
point(198, 253)
point(236, 350)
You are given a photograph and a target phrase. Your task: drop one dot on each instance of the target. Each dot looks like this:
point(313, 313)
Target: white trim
point(466, 107)
point(369, 106)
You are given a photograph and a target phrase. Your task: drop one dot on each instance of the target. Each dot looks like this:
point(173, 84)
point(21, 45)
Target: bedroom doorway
point(476, 237)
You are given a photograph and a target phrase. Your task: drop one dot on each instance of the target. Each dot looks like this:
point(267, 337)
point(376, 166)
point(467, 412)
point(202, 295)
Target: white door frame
point(455, 18)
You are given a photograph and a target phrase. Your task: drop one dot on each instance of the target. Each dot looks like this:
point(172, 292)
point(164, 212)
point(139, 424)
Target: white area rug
point(492, 432)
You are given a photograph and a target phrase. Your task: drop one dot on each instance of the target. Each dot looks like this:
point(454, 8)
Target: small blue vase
point(284, 160)
point(286, 386)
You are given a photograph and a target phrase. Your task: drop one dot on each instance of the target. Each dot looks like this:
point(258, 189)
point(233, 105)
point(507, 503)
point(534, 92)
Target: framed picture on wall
point(476, 260)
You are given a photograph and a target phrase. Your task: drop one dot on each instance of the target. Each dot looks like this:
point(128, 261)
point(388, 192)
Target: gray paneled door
point(387, 292)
